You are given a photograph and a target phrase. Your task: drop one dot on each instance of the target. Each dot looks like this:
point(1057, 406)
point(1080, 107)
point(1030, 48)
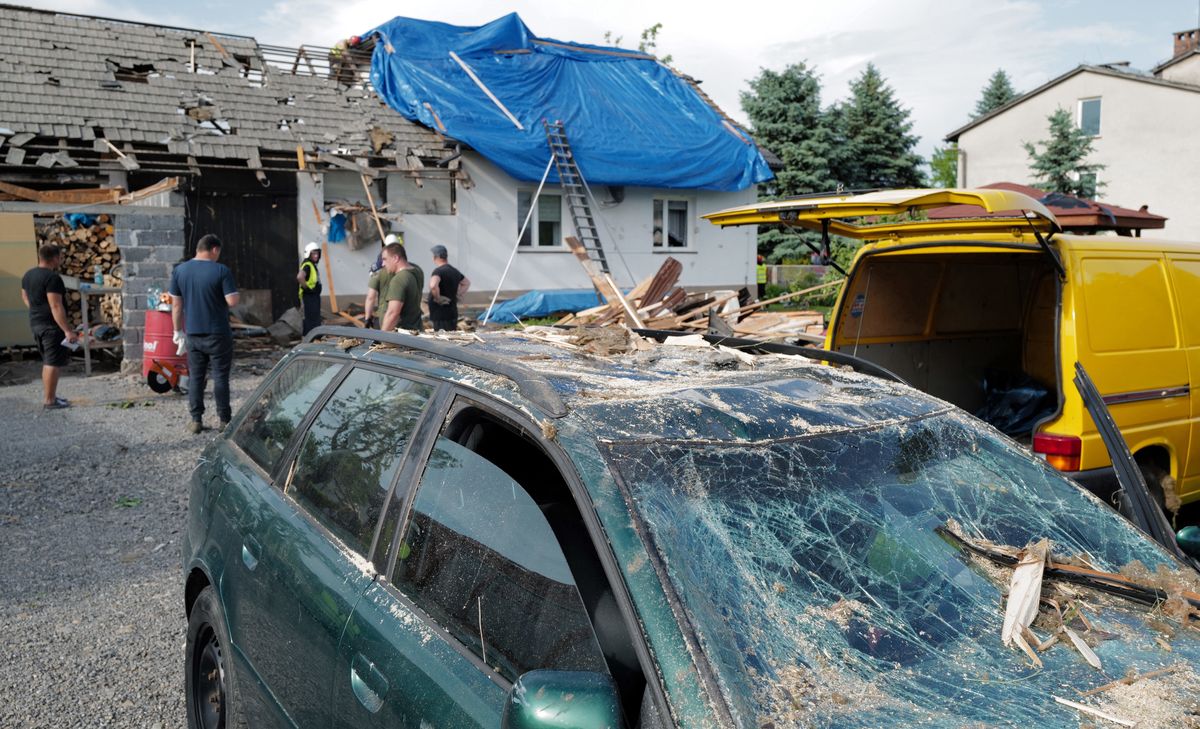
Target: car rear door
point(317, 530)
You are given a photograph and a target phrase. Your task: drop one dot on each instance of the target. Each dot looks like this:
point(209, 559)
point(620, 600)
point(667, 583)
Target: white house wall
point(1147, 142)
point(481, 236)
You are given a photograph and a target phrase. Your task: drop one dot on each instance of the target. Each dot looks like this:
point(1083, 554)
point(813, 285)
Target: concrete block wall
point(151, 242)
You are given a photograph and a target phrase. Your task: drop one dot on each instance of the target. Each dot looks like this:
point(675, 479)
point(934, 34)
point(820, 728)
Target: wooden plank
point(346, 164)
point(169, 183)
point(329, 277)
point(352, 319)
point(24, 193)
point(375, 213)
point(791, 295)
point(602, 281)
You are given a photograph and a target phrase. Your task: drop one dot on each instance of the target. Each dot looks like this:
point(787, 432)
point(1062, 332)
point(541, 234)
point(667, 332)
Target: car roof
point(616, 385)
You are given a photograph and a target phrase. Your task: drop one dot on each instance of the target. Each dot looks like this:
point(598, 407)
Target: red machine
point(161, 366)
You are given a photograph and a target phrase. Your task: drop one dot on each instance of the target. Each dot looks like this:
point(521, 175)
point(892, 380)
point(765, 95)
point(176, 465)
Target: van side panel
point(1185, 275)
point(1128, 337)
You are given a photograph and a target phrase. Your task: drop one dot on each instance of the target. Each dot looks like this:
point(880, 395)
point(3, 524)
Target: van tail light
point(1060, 451)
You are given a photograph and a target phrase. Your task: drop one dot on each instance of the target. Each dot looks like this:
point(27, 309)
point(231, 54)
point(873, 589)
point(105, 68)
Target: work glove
point(180, 340)
point(372, 322)
point(442, 300)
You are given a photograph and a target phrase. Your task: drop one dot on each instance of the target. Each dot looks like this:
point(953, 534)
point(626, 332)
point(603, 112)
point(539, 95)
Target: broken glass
point(821, 592)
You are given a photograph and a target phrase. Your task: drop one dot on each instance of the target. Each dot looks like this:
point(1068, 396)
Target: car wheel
point(210, 685)
point(158, 383)
point(1162, 489)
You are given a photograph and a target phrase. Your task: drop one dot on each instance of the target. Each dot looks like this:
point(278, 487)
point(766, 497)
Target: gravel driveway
point(92, 503)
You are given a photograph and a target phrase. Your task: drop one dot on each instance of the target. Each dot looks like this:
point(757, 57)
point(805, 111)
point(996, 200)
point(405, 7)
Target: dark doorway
point(257, 226)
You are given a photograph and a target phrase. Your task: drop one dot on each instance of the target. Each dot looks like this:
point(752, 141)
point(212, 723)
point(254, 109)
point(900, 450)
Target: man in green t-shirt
point(400, 301)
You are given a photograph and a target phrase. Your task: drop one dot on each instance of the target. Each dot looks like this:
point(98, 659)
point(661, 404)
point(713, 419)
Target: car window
point(268, 426)
point(350, 454)
point(479, 557)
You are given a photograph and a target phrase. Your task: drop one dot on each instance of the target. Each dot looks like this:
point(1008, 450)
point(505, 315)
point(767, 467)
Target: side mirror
point(1188, 539)
point(562, 700)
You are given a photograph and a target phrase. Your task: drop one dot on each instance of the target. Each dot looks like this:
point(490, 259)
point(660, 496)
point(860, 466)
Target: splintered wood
point(658, 302)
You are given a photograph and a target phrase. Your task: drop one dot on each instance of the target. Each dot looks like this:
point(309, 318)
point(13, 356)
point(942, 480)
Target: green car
point(546, 529)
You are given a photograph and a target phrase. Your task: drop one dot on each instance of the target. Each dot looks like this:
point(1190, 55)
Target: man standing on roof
point(447, 286)
point(310, 287)
point(43, 291)
point(202, 291)
point(377, 283)
point(401, 301)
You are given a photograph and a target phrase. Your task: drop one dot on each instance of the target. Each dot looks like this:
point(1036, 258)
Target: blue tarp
point(543, 303)
point(630, 119)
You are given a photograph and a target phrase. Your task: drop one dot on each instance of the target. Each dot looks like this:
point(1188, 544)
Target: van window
point(270, 422)
point(351, 453)
point(481, 558)
point(1186, 273)
point(1128, 304)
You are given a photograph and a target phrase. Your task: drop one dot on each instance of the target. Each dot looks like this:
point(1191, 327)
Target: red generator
point(161, 366)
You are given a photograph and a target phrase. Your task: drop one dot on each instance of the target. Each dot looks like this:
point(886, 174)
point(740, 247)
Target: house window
point(545, 228)
point(1089, 117)
point(671, 223)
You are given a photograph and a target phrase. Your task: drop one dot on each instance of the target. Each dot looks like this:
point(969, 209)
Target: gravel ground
point(92, 504)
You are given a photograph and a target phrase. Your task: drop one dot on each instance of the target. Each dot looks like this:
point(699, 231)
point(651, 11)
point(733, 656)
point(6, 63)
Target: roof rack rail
point(857, 363)
point(531, 384)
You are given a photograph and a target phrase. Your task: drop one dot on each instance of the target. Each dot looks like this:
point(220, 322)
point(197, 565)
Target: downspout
point(961, 175)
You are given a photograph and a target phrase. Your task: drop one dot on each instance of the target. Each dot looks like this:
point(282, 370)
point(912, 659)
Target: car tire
point(209, 677)
point(158, 383)
point(1162, 489)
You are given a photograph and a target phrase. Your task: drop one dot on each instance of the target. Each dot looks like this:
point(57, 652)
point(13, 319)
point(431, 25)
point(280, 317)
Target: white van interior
point(960, 326)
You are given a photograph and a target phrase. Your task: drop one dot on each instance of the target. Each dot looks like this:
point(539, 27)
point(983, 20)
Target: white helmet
point(308, 249)
point(390, 239)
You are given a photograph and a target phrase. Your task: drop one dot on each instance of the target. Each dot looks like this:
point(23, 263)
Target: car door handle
point(250, 553)
point(368, 683)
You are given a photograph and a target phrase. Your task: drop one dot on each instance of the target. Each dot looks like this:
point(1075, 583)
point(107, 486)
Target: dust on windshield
point(819, 588)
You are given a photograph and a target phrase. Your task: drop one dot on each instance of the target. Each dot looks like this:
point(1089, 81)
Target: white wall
point(1186, 71)
point(1147, 140)
point(482, 234)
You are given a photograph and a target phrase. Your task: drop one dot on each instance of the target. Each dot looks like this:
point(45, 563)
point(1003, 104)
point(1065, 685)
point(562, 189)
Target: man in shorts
point(43, 292)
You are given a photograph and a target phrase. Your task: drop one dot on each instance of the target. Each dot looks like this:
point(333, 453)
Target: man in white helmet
point(310, 287)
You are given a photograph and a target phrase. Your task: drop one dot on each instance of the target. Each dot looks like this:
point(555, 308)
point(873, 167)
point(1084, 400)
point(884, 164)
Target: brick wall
point(151, 243)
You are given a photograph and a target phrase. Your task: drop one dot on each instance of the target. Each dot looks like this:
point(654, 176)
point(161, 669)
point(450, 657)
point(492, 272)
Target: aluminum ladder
point(576, 192)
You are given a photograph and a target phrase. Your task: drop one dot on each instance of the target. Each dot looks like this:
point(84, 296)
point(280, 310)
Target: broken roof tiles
point(70, 76)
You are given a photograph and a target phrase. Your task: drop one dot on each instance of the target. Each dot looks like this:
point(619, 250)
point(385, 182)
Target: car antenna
point(1045, 244)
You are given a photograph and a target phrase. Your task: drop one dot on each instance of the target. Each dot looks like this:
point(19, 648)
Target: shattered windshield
point(821, 590)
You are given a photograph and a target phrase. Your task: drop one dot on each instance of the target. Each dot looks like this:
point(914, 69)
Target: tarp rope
point(528, 216)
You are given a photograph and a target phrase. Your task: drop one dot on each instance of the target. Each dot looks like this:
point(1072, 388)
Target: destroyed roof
point(1072, 213)
point(630, 119)
point(78, 77)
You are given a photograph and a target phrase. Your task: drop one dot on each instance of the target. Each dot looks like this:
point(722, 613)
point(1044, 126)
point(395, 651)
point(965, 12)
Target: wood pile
point(659, 302)
point(84, 248)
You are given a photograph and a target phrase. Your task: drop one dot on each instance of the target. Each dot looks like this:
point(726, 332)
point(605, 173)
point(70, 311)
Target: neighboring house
point(1144, 124)
point(94, 102)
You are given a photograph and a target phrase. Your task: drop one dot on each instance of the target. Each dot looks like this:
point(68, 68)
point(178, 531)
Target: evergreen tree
point(878, 146)
point(944, 166)
point(784, 109)
point(1062, 164)
point(998, 92)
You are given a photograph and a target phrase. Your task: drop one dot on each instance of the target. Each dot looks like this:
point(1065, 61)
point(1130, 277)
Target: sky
point(936, 54)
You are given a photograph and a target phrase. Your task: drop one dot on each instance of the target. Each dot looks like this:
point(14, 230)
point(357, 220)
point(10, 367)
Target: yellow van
point(992, 313)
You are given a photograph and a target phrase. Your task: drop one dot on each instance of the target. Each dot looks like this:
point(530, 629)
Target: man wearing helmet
point(310, 287)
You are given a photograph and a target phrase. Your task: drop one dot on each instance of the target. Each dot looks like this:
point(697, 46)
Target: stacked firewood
point(84, 248)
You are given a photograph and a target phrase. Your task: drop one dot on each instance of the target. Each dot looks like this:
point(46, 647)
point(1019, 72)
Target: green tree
point(878, 148)
point(1062, 164)
point(784, 109)
point(647, 44)
point(998, 92)
point(944, 166)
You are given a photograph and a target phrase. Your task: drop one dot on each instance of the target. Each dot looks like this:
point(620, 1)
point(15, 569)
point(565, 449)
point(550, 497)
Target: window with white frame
point(545, 227)
point(671, 220)
point(1089, 117)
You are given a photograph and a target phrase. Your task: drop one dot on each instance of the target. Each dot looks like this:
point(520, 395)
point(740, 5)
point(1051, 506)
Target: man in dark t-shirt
point(447, 286)
point(202, 291)
point(43, 291)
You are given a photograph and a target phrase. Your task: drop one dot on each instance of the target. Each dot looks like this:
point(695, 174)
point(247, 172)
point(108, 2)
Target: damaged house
point(270, 144)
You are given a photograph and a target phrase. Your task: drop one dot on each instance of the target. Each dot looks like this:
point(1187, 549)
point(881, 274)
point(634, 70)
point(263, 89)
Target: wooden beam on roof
point(82, 196)
point(346, 164)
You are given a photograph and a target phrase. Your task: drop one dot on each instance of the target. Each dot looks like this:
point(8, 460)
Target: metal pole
point(528, 216)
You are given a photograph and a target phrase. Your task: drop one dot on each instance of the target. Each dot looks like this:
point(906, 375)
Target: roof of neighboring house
point(1114, 71)
point(1073, 213)
point(73, 77)
point(1171, 62)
